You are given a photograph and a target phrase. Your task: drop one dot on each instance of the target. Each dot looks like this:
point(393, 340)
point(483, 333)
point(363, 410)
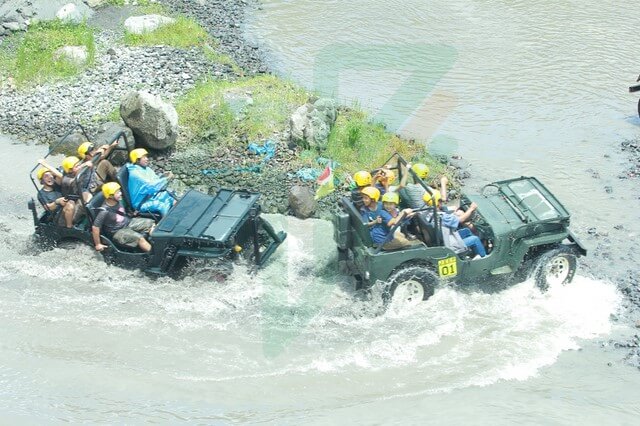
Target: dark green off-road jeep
point(200, 230)
point(524, 227)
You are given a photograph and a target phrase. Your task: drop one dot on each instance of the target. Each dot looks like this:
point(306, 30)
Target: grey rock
point(153, 121)
point(70, 144)
point(108, 132)
point(311, 124)
point(302, 202)
point(317, 132)
point(77, 55)
point(95, 3)
point(298, 122)
point(69, 13)
point(13, 26)
point(146, 23)
point(327, 109)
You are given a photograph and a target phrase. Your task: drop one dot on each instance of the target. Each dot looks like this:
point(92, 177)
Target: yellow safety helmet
point(110, 188)
point(84, 148)
point(420, 169)
point(362, 178)
point(428, 198)
point(137, 154)
point(372, 192)
point(68, 163)
point(40, 173)
point(391, 197)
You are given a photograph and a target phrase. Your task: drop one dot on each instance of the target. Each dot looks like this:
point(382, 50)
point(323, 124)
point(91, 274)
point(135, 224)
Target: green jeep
point(523, 226)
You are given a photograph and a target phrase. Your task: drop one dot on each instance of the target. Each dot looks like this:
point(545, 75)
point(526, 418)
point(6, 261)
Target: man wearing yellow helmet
point(112, 220)
point(66, 186)
point(51, 198)
point(146, 189)
point(103, 170)
point(384, 177)
point(362, 179)
point(401, 237)
point(413, 192)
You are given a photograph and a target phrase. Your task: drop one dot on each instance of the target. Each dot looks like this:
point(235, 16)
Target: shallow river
point(518, 89)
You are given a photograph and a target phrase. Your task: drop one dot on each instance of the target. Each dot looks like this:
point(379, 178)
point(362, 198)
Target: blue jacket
point(143, 184)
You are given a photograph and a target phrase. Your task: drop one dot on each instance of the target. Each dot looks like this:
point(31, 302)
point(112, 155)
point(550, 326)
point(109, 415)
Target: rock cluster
point(311, 124)
point(17, 15)
point(46, 112)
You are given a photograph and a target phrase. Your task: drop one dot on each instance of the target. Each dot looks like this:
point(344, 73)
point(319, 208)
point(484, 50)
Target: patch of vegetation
point(184, 33)
point(29, 58)
point(207, 114)
point(359, 144)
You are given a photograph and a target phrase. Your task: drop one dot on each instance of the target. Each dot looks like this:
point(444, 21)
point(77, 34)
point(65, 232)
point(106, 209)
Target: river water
point(518, 89)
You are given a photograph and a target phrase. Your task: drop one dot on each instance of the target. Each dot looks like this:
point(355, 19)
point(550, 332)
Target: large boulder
point(298, 122)
point(311, 124)
point(70, 13)
point(76, 55)
point(108, 131)
point(153, 121)
point(302, 202)
point(146, 23)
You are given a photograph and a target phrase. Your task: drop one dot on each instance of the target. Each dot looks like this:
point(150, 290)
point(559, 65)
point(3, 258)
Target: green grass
point(207, 116)
point(29, 57)
point(184, 33)
point(359, 144)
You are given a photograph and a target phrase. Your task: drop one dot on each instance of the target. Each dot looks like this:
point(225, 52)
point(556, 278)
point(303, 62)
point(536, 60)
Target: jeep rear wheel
point(411, 285)
point(558, 266)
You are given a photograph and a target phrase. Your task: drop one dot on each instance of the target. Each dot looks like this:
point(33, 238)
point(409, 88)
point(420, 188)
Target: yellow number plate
point(448, 267)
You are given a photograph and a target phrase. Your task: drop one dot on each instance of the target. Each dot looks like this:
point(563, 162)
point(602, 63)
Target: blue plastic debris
point(268, 149)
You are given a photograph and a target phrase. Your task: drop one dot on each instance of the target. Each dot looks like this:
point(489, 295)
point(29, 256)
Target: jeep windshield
point(531, 200)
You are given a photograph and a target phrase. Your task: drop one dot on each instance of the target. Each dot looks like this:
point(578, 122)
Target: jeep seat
point(123, 180)
point(93, 205)
point(361, 230)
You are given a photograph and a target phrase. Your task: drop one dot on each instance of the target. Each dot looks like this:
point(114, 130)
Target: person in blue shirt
point(146, 189)
point(452, 222)
point(374, 215)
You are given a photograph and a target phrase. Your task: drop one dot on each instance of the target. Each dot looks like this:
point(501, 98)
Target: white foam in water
point(465, 338)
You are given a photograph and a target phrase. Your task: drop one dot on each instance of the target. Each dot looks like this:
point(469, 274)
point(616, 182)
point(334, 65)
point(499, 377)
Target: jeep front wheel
point(558, 266)
point(411, 285)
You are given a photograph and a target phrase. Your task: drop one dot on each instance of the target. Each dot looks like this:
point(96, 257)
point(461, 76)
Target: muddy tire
point(411, 285)
point(557, 266)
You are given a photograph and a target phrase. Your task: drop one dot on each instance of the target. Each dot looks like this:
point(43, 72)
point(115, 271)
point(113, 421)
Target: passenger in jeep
point(146, 189)
point(103, 170)
point(53, 201)
point(380, 222)
point(452, 222)
point(114, 222)
point(69, 188)
point(390, 201)
point(362, 180)
point(384, 177)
